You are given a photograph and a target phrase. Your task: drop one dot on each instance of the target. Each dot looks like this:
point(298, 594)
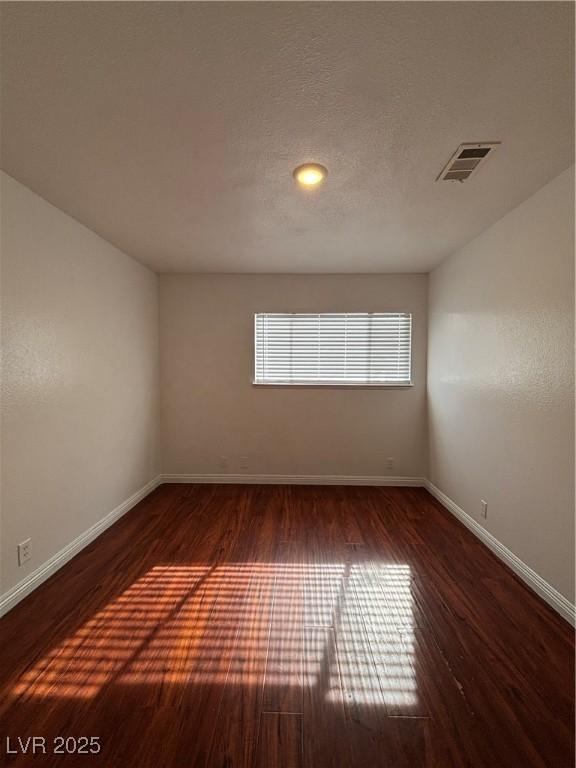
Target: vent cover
point(466, 160)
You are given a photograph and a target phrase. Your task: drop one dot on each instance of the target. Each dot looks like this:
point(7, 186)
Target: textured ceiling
point(172, 129)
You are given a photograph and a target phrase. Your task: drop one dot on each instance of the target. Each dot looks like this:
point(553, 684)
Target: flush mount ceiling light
point(310, 175)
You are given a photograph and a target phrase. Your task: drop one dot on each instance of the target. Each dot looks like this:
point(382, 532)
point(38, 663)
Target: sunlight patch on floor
point(344, 629)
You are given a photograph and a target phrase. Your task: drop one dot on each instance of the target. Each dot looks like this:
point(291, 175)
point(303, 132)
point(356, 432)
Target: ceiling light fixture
point(310, 175)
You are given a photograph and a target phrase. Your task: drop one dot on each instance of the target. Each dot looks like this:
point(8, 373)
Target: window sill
point(328, 385)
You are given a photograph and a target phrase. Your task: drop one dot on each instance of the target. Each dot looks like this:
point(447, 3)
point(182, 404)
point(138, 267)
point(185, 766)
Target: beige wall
point(501, 380)
point(79, 385)
point(210, 408)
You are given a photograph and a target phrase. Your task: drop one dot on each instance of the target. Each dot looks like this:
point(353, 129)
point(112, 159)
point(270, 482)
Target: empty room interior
point(287, 397)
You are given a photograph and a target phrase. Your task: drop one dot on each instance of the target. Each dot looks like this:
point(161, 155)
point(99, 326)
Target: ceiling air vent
point(466, 160)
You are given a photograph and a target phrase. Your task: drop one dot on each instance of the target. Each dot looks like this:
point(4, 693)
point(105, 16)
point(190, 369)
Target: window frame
point(334, 384)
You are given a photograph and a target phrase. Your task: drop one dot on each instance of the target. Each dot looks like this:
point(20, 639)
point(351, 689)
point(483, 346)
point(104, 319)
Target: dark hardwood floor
point(276, 626)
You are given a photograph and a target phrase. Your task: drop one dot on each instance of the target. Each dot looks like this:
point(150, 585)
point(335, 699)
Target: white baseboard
point(19, 591)
point(546, 591)
point(295, 479)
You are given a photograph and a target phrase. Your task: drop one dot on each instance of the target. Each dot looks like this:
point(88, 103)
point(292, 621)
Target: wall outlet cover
point(24, 551)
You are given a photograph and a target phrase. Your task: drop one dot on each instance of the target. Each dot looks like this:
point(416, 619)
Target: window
point(363, 348)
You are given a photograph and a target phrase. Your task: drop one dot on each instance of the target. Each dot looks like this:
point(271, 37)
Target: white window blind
point(366, 348)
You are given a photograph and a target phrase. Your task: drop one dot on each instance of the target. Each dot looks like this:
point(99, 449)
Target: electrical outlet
point(390, 462)
point(243, 462)
point(24, 551)
point(484, 508)
point(224, 463)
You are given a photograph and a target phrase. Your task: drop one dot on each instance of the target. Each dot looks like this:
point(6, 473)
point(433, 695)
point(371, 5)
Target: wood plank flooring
point(288, 627)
